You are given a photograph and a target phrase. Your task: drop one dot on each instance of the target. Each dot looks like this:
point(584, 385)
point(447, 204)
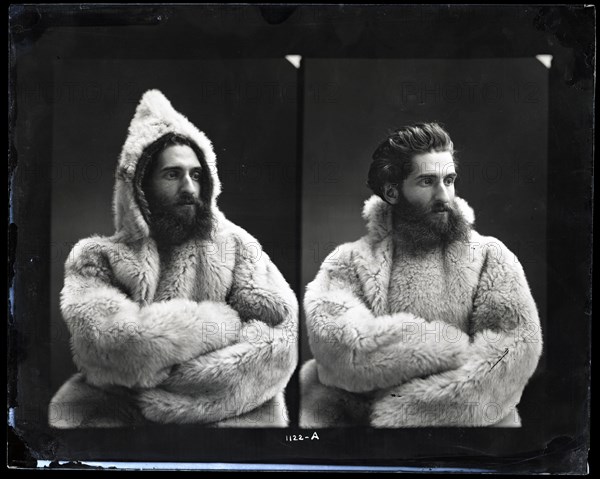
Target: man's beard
point(424, 228)
point(173, 224)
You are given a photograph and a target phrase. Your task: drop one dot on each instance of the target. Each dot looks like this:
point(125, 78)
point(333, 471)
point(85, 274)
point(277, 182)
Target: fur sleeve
point(238, 378)
point(116, 341)
point(504, 353)
point(359, 352)
point(259, 291)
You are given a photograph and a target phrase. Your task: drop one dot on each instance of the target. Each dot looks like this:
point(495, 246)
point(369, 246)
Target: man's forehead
point(433, 163)
point(178, 156)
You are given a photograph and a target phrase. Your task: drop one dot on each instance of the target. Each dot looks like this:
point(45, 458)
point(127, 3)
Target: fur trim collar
point(378, 215)
point(154, 117)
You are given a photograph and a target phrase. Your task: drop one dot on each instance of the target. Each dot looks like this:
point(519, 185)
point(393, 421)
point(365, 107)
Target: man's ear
point(391, 193)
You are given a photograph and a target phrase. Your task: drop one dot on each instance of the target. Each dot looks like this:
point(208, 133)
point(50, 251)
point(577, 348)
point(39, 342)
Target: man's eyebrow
point(427, 175)
point(435, 175)
point(179, 168)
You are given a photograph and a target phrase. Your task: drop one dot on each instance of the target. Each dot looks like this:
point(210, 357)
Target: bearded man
point(179, 317)
point(423, 321)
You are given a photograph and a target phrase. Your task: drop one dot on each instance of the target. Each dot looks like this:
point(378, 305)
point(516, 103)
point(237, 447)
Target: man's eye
point(449, 181)
point(171, 175)
point(196, 176)
point(427, 182)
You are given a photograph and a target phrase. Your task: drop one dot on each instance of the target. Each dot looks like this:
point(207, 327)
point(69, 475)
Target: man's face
point(424, 210)
point(430, 185)
point(175, 181)
point(177, 212)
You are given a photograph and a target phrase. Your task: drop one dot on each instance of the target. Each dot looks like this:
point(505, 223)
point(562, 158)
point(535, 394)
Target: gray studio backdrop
point(496, 111)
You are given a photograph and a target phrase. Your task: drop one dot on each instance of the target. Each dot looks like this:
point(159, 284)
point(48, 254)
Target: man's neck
point(167, 248)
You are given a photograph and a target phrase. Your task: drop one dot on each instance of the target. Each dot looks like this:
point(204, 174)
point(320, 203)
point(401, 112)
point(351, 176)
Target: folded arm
point(504, 353)
point(240, 377)
point(360, 352)
point(117, 341)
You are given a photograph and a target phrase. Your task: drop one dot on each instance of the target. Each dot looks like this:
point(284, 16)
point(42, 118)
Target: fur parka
point(206, 335)
point(454, 345)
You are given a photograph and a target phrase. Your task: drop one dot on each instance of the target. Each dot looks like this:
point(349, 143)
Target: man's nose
point(188, 185)
point(441, 193)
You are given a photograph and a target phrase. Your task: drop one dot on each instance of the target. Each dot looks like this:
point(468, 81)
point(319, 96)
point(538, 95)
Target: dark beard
point(170, 227)
point(420, 229)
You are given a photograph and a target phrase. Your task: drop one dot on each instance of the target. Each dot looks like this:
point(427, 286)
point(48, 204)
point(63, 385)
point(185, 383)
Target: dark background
point(555, 435)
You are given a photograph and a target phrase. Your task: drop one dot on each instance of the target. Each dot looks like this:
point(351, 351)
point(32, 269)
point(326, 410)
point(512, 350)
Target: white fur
point(428, 354)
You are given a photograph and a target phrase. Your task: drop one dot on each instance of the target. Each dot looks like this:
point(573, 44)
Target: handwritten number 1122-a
point(299, 437)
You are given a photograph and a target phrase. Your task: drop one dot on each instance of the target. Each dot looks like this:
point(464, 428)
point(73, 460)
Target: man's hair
point(148, 160)
point(392, 160)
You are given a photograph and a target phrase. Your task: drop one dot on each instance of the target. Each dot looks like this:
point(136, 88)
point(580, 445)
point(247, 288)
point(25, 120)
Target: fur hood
point(154, 117)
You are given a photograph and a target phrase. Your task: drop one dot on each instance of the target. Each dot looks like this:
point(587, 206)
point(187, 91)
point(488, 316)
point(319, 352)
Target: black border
point(561, 444)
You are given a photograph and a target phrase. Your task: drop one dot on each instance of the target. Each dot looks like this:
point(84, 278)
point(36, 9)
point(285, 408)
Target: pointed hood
point(154, 118)
point(378, 215)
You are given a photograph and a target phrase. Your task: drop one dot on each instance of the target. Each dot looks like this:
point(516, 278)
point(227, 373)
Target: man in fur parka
point(179, 316)
point(423, 321)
